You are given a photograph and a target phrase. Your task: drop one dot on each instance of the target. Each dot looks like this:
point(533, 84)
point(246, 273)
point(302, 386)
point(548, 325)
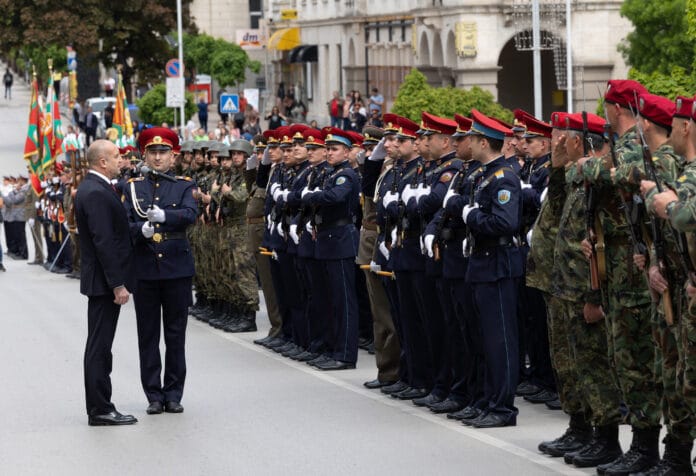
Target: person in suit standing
point(107, 276)
point(160, 207)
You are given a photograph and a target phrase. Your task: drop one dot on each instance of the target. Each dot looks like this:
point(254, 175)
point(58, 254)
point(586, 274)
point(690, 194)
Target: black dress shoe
point(474, 418)
point(284, 348)
point(464, 413)
point(173, 407)
point(494, 420)
point(263, 341)
point(397, 387)
point(446, 406)
point(35, 262)
point(541, 396)
point(527, 388)
point(58, 270)
point(377, 383)
point(410, 394)
point(319, 360)
point(295, 353)
point(155, 408)
point(73, 275)
point(111, 419)
point(335, 365)
point(429, 399)
point(554, 404)
point(275, 342)
point(305, 356)
point(2, 267)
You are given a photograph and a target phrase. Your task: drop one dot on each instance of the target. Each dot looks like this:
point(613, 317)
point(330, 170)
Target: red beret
point(296, 131)
point(463, 125)
point(558, 120)
point(391, 123)
point(485, 126)
point(683, 107)
point(432, 124)
point(158, 137)
point(595, 124)
point(624, 92)
point(313, 137)
point(407, 128)
point(657, 109)
point(334, 135)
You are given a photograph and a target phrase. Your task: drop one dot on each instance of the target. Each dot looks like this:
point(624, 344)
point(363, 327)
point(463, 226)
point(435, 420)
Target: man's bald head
point(103, 157)
point(99, 149)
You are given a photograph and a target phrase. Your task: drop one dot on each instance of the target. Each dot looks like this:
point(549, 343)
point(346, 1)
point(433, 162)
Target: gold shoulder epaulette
point(499, 173)
point(135, 179)
point(183, 177)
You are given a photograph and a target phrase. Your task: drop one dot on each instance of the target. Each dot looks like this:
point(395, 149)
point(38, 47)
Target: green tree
point(153, 106)
point(225, 62)
point(416, 96)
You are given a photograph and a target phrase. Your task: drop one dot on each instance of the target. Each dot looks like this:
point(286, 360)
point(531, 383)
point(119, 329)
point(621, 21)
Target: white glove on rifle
point(428, 242)
point(293, 234)
point(147, 230)
point(389, 197)
point(384, 250)
point(467, 210)
point(450, 193)
point(156, 215)
point(408, 193)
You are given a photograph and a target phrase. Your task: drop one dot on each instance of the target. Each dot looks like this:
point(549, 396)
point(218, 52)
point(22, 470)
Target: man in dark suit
point(160, 206)
point(107, 275)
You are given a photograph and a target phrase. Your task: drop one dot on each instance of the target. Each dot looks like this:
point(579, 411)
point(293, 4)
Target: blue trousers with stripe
point(343, 328)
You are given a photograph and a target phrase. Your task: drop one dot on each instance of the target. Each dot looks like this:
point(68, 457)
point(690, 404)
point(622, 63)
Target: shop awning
point(303, 54)
point(285, 39)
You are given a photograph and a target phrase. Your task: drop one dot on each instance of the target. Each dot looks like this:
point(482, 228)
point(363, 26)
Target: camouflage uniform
point(592, 372)
point(628, 313)
point(679, 340)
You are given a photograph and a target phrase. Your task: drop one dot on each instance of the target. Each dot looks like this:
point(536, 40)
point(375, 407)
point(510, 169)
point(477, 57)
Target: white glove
point(37, 205)
point(450, 193)
point(280, 231)
point(308, 227)
point(543, 195)
point(277, 192)
point(266, 159)
point(393, 235)
point(408, 193)
point(465, 244)
point(147, 230)
point(428, 242)
point(422, 191)
point(272, 190)
point(252, 162)
point(285, 194)
point(529, 237)
point(156, 215)
point(31, 222)
point(390, 197)
point(384, 250)
point(467, 210)
point(306, 191)
point(526, 185)
point(44, 184)
point(274, 255)
point(374, 267)
point(422, 244)
point(293, 234)
point(269, 222)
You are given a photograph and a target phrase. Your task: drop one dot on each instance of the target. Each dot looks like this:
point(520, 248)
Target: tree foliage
point(416, 96)
point(126, 29)
point(225, 62)
point(153, 106)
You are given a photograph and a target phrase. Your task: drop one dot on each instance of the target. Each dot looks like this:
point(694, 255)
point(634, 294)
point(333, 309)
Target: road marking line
point(479, 435)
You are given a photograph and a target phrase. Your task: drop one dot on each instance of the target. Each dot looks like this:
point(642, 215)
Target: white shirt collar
point(102, 176)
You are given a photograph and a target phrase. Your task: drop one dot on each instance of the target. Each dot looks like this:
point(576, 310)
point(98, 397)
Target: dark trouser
point(65, 257)
point(387, 347)
point(471, 385)
point(288, 294)
point(455, 350)
point(52, 243)
point(414, 341)
point(364, 311)
point(393, 297)
point(496, 308)
point(436, 330)
point(16, 238)
point(340, 279)
point(301, 326)
point(319, 307)
point(156, 302)
point(534, 339)
point(102, 317)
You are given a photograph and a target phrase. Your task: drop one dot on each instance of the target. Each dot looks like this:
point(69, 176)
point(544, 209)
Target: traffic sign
point(72, 60)
point(173, 68)
point(229, 103)
point(175, 86)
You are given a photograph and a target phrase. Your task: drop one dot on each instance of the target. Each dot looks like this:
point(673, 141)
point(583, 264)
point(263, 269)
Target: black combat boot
point(643, 454)
point(246, 323)
point(577, 435)
point(603, 448)
point(201, 301)
point(208, 311)
point(675, 461)
point(233, 317)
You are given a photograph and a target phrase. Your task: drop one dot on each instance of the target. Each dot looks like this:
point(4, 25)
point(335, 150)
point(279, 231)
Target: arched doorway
point(516, 81)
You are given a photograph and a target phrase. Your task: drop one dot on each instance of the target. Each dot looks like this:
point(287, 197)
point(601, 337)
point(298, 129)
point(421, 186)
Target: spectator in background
point(109, 115)
point(8, 79)
point(91, 124)
point(203, 113)
point(335, 109)
point(251, 125)
point(109, 84)
point(346, 111)
point(78, 115)
point(15, 236)
point(375, 119)
point(275, 118)
point(376, 101)
point(244, 105)
point(358, 116)
point(200, 135)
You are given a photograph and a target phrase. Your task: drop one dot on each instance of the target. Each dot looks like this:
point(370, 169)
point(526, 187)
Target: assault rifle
point(590, 210)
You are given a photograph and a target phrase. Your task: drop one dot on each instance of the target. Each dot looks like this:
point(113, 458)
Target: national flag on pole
point(50, 127)
point(32, 143)
point(57, 139)
point(122, 121)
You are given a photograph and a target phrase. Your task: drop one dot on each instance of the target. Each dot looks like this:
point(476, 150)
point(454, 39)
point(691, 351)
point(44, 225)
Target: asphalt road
point(247, 410)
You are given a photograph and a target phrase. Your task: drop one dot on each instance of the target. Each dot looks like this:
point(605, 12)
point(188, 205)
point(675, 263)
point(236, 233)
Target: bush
point(153, 106)
point(416, 95)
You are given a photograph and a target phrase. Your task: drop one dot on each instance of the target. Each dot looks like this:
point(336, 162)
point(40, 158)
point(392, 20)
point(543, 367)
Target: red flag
point(33, 140)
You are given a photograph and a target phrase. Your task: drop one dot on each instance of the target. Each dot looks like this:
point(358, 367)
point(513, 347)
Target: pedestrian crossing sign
point(229, 103)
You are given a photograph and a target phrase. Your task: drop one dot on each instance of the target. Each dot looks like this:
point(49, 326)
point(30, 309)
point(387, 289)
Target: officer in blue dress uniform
point(160, 207)
point(337, 245)
point(494, 269)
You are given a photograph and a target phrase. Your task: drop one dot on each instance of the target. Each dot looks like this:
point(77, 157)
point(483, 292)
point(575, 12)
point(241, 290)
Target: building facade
point(318, 46)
